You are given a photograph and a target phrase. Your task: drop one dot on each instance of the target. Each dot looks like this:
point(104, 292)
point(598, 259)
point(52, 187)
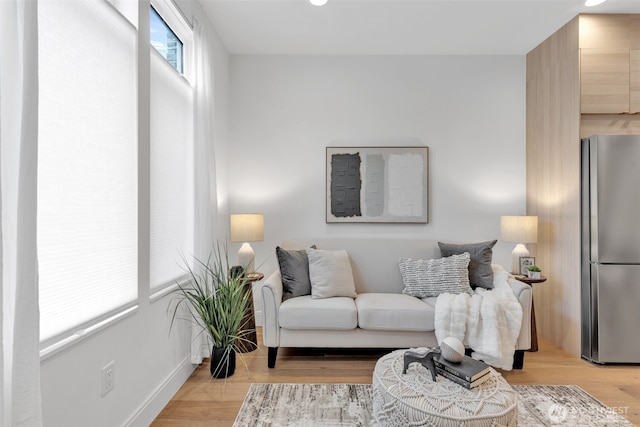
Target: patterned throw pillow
point(429, 278)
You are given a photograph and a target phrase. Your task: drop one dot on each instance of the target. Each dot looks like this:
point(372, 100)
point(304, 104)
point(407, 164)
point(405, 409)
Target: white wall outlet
point(108, 377)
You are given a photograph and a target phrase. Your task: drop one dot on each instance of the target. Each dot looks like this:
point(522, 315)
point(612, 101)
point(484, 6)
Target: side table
point(250, 340)
point(534, 331)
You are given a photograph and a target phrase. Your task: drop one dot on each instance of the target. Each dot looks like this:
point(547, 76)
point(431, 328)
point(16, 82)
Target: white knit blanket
point(488, 321)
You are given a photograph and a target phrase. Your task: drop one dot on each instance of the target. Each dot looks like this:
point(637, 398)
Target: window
point(171, 35)
point(172, 165)
point(172, 175)
point(87, 167)
point(165, 41)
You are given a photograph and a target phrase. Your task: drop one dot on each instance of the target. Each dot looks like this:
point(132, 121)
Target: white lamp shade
point(519, 229)
point(247, 227)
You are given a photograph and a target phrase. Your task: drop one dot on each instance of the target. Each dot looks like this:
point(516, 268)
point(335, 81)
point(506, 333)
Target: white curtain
point(20, 400)
point(205, 185)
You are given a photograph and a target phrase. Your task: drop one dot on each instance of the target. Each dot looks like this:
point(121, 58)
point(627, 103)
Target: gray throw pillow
point(480, 271)
point(294, 268)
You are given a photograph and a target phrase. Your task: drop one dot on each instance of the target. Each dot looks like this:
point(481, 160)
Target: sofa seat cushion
point(305, 312)
point(394, 312)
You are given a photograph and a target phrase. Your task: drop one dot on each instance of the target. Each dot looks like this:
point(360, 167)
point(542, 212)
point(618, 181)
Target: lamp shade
point(247, 227)
point(519, 229)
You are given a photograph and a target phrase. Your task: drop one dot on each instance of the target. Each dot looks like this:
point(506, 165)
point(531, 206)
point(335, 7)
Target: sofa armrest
point(524, 295)
point(271, 299)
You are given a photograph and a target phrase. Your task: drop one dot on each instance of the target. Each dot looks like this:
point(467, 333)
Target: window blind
point(87, 165)
point(172, 173)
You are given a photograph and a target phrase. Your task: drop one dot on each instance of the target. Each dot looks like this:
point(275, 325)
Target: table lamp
point(247, 228)
point(518, 229)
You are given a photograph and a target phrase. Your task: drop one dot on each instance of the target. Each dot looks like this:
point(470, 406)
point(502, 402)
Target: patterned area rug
point(349, 405)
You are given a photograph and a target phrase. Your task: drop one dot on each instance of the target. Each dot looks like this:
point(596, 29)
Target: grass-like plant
point(216, 301)
point(534, 268)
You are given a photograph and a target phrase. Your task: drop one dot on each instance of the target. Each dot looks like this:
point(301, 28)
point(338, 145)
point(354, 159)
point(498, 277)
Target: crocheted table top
point(414, 398)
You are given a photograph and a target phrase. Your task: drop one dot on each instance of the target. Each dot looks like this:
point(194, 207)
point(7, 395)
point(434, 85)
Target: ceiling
point(395, 27)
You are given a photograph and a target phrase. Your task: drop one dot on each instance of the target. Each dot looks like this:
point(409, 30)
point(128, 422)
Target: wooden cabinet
point(634, 80)
point(604, 81)
point(609, 64)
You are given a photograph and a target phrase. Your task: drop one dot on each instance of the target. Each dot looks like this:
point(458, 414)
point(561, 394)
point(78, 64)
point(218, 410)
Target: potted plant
point(534, 272)
point(216, 300)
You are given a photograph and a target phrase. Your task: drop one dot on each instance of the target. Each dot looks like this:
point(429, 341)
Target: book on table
point(462, 382)
point(469, 369)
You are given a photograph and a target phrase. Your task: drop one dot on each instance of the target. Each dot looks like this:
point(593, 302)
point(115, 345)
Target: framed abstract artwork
point(377, 184)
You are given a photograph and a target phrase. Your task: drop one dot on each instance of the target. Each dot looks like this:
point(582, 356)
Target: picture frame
point(377, 184)
point(525, 263)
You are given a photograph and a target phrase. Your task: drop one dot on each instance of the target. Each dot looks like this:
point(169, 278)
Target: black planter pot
point(223, 362)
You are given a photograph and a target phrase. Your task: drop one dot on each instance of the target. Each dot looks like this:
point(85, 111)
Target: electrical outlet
point(108, 377)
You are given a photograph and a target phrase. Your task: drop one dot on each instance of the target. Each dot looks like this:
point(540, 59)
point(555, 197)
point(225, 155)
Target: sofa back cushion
point(374, 262)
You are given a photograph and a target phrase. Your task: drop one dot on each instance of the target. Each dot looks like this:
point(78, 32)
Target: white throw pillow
point(330, 274)
point(429, 278)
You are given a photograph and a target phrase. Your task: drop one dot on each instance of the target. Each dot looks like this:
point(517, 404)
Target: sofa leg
point(518, 359)
point(271, 361)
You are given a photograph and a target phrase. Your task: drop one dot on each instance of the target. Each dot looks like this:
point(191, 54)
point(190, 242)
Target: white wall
point(469, 111)
point(150, 364)
point(283, 112)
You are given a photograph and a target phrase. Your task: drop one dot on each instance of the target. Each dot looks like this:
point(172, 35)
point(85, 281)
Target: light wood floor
point(205, 402)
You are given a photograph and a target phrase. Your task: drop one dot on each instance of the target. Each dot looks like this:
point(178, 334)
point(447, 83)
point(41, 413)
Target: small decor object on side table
point(534, 272)
point(525, 263)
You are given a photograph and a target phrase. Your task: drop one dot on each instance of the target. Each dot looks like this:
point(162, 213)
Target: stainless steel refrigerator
point(611, 248)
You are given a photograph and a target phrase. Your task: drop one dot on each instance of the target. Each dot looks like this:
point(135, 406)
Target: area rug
point(349, 405)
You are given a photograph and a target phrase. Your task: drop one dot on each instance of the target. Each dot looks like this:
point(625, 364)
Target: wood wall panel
point(553, 180)
point(634, 43)
point(554, 129)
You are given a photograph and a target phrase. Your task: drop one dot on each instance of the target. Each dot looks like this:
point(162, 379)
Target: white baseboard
point(149, 410)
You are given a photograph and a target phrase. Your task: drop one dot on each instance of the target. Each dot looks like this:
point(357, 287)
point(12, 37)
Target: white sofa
point(381, 316)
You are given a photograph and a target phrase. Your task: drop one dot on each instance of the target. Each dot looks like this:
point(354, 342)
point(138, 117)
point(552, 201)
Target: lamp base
point(518, 251)
point(246, 258)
